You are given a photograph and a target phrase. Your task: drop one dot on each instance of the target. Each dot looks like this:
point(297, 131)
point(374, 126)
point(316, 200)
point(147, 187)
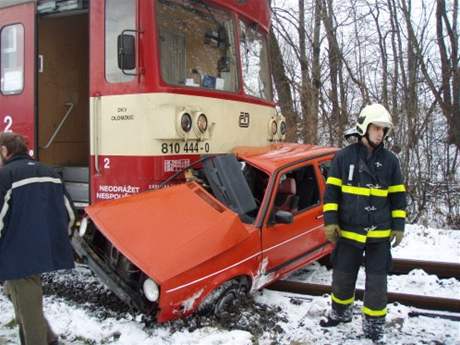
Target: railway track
point(441, 269)
point(419, 301)
point(400, 266)
point(404, 266)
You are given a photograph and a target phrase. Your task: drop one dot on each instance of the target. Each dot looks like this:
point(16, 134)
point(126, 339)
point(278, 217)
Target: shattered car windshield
point(236, 184)
point(197, 45)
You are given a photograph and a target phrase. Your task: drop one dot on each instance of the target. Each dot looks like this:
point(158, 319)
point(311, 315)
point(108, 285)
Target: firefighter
point(35, 219)
point(364, 212)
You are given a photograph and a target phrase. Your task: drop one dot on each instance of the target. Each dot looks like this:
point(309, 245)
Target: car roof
point(272, 157)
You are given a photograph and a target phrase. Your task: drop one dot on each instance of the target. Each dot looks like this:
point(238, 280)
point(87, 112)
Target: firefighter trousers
point(346, 260)
point(27, 297)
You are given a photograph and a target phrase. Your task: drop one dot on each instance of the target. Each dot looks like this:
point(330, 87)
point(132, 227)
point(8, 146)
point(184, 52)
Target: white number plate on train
point(197, 147)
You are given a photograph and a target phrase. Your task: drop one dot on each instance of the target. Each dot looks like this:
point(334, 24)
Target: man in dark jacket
point(364, 211)
point(35, 221)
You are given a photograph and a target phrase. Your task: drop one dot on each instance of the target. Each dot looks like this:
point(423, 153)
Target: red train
point(125, 96)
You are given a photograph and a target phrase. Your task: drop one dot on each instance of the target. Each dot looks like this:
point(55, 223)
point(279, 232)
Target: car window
point(286, 198)
point(298, 190)
point(324, 168)
point(257, 182)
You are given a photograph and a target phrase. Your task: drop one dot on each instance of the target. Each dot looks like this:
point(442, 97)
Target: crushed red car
point(239, 222)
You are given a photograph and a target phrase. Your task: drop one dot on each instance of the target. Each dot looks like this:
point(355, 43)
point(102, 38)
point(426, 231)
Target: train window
point(197, 45)
point(12, 59)
point(119, 15)
point(254, 62)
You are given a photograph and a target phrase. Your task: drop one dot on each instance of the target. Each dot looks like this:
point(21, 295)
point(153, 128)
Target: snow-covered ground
point(271, 318)
point(420, 243)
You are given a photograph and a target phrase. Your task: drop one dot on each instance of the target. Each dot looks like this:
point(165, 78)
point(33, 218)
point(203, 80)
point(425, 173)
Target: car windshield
point(237, 184)
point(197, 45)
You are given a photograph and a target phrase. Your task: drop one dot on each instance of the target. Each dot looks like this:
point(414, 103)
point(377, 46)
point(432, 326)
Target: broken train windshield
point(197, 45)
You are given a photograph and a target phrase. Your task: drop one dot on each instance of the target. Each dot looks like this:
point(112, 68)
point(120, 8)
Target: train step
point(76, 180)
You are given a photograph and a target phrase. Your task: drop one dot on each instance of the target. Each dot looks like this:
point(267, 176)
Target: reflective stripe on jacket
point(365, 195)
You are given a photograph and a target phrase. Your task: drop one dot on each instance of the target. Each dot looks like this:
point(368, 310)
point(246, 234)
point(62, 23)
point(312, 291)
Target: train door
point(63, 96)
point(17, 70)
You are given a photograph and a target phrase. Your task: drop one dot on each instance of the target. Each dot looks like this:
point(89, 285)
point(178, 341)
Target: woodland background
point(331, 58)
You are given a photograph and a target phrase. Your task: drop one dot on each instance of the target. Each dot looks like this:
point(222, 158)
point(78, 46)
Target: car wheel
point(225, 301)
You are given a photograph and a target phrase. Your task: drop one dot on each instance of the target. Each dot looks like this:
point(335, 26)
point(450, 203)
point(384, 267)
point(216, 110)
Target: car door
point(287, 246)
point(17, 70)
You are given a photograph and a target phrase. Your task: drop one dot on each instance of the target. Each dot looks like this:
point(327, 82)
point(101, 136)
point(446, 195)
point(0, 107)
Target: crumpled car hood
point(169, 231)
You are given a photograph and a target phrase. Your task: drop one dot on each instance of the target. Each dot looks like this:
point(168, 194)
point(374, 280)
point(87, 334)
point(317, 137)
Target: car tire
point(225, 300)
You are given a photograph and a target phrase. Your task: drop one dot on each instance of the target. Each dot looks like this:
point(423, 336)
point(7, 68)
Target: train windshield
point(197, 45)
point(254, 62)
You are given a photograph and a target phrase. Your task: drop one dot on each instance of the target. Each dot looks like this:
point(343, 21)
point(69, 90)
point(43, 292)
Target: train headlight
point(283, 128)
point(151, 291)
point(186, 122)
point(202, 123)
point(274, 128)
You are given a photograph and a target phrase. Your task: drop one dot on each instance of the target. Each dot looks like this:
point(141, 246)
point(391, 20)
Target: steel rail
point(419, 301)
point(441, 269)
point(404, 266)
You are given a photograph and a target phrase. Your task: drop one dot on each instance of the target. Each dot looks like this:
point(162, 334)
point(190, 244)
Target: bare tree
point(339, 56)
point(283, 86)
point(447, 94)
point(336, 94)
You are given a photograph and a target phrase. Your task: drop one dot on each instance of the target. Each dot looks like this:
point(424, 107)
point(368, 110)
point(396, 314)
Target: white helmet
point(376, 114)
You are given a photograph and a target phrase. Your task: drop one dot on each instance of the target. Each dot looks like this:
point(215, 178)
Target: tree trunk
point(334, 57)
point(283, 88)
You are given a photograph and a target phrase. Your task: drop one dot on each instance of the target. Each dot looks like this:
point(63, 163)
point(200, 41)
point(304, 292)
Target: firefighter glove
point(397, 236)
point(332, 232)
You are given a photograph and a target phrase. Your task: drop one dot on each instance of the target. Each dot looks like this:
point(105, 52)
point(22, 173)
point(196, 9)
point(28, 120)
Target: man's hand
point(332, 232)
point(397, 236)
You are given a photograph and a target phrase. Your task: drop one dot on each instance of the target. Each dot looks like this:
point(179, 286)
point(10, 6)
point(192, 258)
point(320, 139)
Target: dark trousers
point(346, 260)
point(27, 297)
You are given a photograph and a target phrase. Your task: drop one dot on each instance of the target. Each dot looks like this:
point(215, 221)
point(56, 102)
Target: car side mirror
point(126, 52)
point(283, 217)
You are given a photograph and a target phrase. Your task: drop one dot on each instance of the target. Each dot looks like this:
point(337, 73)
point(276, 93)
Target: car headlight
point(151, 291)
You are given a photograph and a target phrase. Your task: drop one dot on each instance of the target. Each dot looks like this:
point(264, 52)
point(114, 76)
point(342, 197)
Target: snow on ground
point(271, 318)
point(422, 243)
point(303, 328)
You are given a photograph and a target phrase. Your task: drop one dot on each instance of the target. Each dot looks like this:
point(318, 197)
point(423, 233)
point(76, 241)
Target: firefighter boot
point(336, 317)
point(373, 328)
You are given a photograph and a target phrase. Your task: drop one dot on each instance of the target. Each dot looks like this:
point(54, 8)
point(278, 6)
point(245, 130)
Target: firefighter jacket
point(35, 218)
point(365, 195)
